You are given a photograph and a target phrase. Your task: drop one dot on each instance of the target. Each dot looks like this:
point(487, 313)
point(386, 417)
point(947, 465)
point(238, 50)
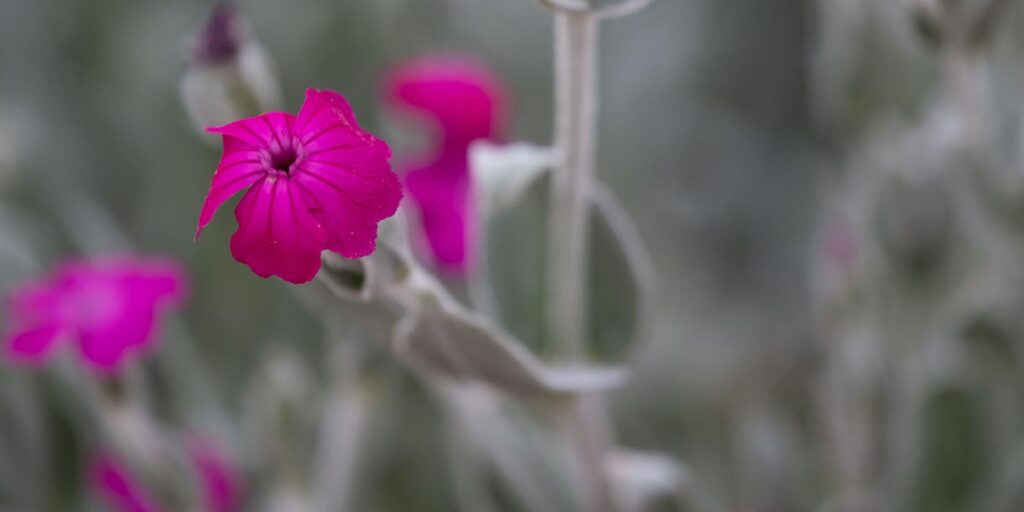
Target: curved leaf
point(465, 346)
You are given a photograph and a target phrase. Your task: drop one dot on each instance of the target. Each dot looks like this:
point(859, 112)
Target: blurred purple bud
point(221, 37)
point(230, 75)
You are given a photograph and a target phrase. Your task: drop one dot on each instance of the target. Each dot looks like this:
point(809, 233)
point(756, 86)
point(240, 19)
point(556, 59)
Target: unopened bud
point(230, 76)
point(221, 38)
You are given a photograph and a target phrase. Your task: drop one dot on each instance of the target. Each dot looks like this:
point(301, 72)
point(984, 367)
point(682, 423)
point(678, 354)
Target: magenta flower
point(111, 308)
point(221, 485)
point(220, 490)
point(464, 102)
point(315, 181)
point(118, 488)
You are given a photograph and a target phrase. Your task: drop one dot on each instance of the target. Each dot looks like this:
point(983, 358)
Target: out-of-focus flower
point(111, 307)
point(119, 489)
point(122, 492)
point(221, 486)
point(315, 181)
point(230, 75)
point(465, 102)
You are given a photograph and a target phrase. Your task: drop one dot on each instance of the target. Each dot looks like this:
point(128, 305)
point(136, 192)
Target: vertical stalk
point(344, 430)
point(569, 211)
point(587, 423)
point(967, 75)
point(568, 230)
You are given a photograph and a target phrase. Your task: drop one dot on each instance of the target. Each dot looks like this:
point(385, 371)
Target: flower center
point(93, 303)
point(283, 158)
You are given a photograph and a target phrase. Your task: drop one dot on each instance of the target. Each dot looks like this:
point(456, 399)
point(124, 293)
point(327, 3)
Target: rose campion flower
point(464, 102)
point(221, 485)
point(110, 307)
point(122, 492)
point(118, 488)
point(315, 181)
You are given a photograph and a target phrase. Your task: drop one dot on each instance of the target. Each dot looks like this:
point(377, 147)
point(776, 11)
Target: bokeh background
point(762, 148)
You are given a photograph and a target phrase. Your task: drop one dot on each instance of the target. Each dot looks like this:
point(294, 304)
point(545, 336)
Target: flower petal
point(34, 302)
point(247, 146)
point(253, 132)
point(464, 97)
point(446, 211)
point(349, 202)
point(105, 345)
point(155, 280)
point(237, 151)
point(464, 101)
point(221, 484)
point(247, 143)
point(125, 305)
point(119, 489)
point(326, 121)
point(32, 345)
point(225, 185)
point(276, 234)
point(345, 174)
point(278, 126)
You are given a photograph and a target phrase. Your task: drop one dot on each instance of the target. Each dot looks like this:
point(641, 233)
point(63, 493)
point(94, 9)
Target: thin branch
point(568, 234)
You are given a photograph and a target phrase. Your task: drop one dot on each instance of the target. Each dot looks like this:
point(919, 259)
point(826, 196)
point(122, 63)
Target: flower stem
point(345, 428)
point(568, 230)
point(569, 215)
point(587, 424)
point(966, 77)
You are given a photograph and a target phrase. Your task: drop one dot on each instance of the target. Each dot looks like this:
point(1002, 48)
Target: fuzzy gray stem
point(587, 423)
point(345, 430)
point(568, 230)
point(569, 224)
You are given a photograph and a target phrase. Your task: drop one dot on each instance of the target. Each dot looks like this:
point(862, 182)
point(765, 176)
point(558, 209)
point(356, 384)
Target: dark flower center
point(283, 159)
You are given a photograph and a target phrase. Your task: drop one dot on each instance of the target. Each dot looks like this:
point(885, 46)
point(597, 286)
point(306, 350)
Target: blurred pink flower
point(110, 307)
point(315, 181)
point(119, 489)
point(221, 485)
point(464, 101)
